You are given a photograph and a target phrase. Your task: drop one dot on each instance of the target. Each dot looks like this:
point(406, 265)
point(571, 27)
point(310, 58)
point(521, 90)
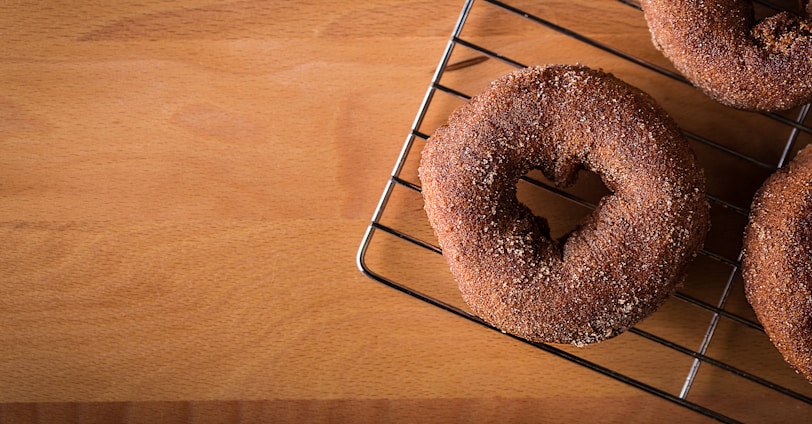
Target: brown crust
point(623, 261)
point(722, 50)
point(777, 262)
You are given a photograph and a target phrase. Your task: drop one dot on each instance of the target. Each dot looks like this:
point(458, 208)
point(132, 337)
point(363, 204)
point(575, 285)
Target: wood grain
point(183, 187)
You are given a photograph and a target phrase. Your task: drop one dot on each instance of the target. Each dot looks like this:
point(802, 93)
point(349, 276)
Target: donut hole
point(797, 7)
point(563, 208)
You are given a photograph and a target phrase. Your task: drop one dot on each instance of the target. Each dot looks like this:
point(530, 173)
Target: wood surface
point(183, 188)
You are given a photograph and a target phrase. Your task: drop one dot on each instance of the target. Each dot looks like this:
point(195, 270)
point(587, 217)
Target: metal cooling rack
point(740, 152)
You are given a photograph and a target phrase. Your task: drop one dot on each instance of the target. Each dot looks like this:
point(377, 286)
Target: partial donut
point(622, 262)
point(722, 50)
point(777, 262)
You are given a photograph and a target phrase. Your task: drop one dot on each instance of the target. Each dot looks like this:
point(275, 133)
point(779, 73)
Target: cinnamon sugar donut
point(777, 262)
point(622, 262)
point(722, 50)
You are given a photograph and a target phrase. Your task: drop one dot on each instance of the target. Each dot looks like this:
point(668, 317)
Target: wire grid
point(786, 391)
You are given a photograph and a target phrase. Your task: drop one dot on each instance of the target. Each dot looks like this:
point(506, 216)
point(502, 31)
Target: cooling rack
point(700, 335)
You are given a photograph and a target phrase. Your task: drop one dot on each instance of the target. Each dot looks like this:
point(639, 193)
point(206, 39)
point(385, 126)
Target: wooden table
point(183, 188)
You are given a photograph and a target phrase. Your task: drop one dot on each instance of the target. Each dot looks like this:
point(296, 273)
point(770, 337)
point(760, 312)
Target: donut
point(723, 51)
point(777, 260)
point(621, 262)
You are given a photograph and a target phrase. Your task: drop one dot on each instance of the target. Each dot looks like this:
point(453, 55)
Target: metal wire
point(699, 356)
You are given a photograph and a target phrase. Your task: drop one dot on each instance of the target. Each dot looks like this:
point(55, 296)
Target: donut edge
point(770, 281)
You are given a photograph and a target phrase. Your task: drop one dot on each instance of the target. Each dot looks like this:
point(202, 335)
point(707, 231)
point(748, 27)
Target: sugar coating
point(722, 50)
point(622, 262)
point(777, 262)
